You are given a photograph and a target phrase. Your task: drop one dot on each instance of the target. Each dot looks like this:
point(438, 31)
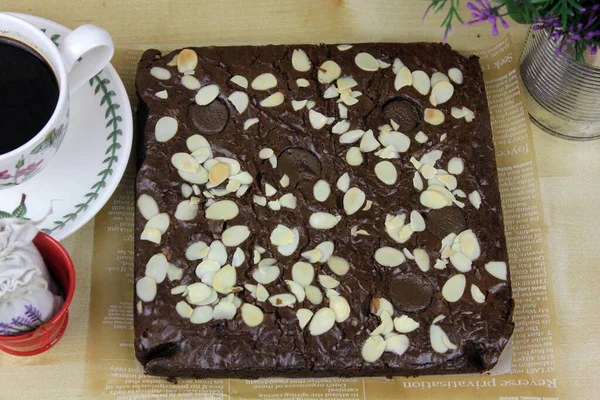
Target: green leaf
point(113, 159)
point(20, 163)
point(20, 211)
point(70, 217)
point(97, 89)
point(81, 207)
point(47, 231)
point(92, 195)
point(91, 81)
point(111, 109)
point(4, 214)
point(104, 82)
point(99, 185)
point(113, 120)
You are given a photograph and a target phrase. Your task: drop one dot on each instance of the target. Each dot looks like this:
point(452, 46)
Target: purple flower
point(4, 174)
point(486, 12)
point(33, 315)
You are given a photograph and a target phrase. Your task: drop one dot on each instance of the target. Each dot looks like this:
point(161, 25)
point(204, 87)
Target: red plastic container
point(61, 268)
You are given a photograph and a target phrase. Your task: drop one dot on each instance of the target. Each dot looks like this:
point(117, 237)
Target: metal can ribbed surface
point(563, 95)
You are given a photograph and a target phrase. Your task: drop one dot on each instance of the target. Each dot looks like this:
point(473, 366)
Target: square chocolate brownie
point(318, 210)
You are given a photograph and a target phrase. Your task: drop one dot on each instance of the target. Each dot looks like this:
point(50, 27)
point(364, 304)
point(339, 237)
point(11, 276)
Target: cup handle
point(92, 42)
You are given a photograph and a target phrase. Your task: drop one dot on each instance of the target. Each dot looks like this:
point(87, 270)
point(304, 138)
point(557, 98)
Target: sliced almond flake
point(354, 156)
point(351, 136)
point(438, 338)
point(224, 310)
point(202, 315)
point(386, 172)
point(477, 294)
point(223, 210)
point(174, 273)
point(187, 60)
point(388, 152)
point(266, 275)
point(456, 75)
point(274, 205)
point(383, 64)
point(403, 78)
point(475, 199)
point(161, 74)
point(497, 269)
point(282, 300)
point(417, 181)
point(442, 92)
point(331, 293)
point(147, 206)
point(256, 256)
point(235, 235)
point(156, 268)
point(303, 273)
point(368, 205)
point(288, 200)
point(269, 190)
point(196, 142)
point(459, 193)
point(304, 315)
point(264, 81)
point(348, 100)
point(344, 47)
point(438, 77)
point(379, 305)
point(340, 307)
point(219, 173)
point(240, 81)
point(454, 288)
point(313, 255)
point(289, 249)
point(460, 262)
point(217, 252)
point(184, 162)
point(331, 93)
point(243, 177)
point(433, 116)
point(434, 199)
point(421, 82)
point(282, 235)
point(389, 257)
point(187, 210)
point(260, 200)
point(190, 82)
point(297, 290)
point(353, 200)
point(458, 113)
point(422, 259)
point(173, 61)
point(300, 61)
point(322, 321)
point(345, 83)
point(181, 289)
point(302, 83)
point(428, 171)
point(408, 254)
point(323, 220)
point(317, 120)
point(273, 161)
point(399, 141)
point(310, 104)
point(273, 100)
point(163, 94)
point(326, 249)
point(470, 115)
point(421, 137)
point(386, 326)
point(343, 111)
point(343, 182)
point(405, 324)
point(469, 245)
point(207, 95)
point(249, 122)
point(459, 203)
point(196, 251)
point(397, 344)
point(262, 294)
point(233, 186)
point(239, 100)
point(328, 72)
point(251, 315)
point(368, 143)
point(284, 181)
point(238, 257)
point(341, 127)
point(417, 223)
point(184, 310)
point(242, 190)
point(198, 292)
point(298, 105)
point(373, 348)
point(165, 129)
point(338, 265)
point(328, 282)
point(397, 66)
point(366, 62)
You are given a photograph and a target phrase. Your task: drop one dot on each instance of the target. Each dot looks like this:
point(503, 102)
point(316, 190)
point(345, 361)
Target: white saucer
point(87, 168)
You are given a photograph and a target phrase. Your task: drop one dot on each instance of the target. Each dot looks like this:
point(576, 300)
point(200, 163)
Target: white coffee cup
point(82, 54)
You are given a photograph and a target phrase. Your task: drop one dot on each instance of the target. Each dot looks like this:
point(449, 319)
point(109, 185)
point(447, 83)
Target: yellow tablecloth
point(568, 170)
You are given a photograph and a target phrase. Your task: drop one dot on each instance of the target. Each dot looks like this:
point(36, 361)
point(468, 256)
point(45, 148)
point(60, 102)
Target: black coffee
point(28, 94)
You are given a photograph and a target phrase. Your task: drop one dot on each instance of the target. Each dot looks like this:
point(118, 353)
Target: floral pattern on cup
point(20, 174)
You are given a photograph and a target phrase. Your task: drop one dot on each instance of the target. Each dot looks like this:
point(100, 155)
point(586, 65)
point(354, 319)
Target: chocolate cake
point(318, 210)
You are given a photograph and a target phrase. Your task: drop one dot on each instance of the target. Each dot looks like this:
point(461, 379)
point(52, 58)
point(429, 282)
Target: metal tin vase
point(563, 95)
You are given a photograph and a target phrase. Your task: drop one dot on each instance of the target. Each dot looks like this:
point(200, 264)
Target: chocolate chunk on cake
point(318, 211)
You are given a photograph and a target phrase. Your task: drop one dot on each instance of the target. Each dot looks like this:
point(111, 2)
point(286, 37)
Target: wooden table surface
point(568, 170)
